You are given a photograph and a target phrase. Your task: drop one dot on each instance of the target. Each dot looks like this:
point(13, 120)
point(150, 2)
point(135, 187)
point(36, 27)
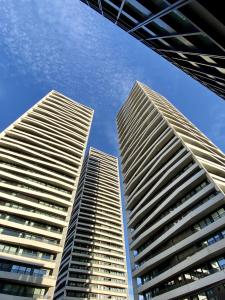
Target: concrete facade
point(174, 187)
point(40, 155)
point(93, 263)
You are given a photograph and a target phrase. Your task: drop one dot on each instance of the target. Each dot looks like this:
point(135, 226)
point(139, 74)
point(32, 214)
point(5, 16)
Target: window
point(197, 227)
point(217, 237)
point(39, 272)
point(182, 55)
point(221, 212)
point(215, 216)
point(214, 265)
point(21, 290)
point(15, 269)
point(208, 221)
point(187, 276)
point(142, 10)
point(30, 252)
point(194, 64)
point(211, 241)
point(211, 295)
point(202, 224)
point(164, 26)
point(21, 270)
point(205, 270)
point(221, 262)
point(47, 256)
point(221, 70)
point(208, 59)
point(202, 296)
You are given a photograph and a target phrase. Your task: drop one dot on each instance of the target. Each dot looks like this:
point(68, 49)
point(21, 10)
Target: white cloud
point(62, 41)
point(217, 130)
point(65, 43)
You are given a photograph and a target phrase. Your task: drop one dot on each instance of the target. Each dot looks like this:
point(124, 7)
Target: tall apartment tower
point(40, 156)
point(93, 263)
point(175, 202)
point(188, 33)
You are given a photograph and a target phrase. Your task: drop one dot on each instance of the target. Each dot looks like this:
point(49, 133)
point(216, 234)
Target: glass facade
point(190, 34)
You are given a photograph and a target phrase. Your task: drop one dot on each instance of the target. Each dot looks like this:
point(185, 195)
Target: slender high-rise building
point(175, 202)
point(188, 33)
point(40, 156)
point(93, 263)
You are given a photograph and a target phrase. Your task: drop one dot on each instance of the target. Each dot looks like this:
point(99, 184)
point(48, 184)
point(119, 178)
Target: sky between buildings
point(66, 46)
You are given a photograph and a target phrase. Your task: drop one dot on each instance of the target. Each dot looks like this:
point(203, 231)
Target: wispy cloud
point(54, 38)
point(217, 129)
point(66, 44)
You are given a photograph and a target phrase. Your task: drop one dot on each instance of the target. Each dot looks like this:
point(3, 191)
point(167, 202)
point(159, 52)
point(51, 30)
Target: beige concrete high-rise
point(93, 263)
point(40, 157)
point(175, 202)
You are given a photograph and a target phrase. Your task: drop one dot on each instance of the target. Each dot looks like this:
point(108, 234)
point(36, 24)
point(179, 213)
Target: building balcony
point(43, 281)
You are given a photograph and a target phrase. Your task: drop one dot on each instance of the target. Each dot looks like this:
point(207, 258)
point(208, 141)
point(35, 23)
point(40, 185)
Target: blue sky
point(66, 46)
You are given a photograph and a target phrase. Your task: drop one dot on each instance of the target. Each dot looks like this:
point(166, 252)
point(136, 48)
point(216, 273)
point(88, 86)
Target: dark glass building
point(188, 33)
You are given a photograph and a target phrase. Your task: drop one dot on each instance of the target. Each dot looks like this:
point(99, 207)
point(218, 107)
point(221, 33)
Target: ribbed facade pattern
point(188, 33)
point(40, 156)
point(93, 263)
point(174, 186)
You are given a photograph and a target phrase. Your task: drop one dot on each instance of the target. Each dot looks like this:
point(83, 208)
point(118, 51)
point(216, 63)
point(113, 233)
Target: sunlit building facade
point(93, 263)
point(188, 33)
point(174, 187)
point(40, 156)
